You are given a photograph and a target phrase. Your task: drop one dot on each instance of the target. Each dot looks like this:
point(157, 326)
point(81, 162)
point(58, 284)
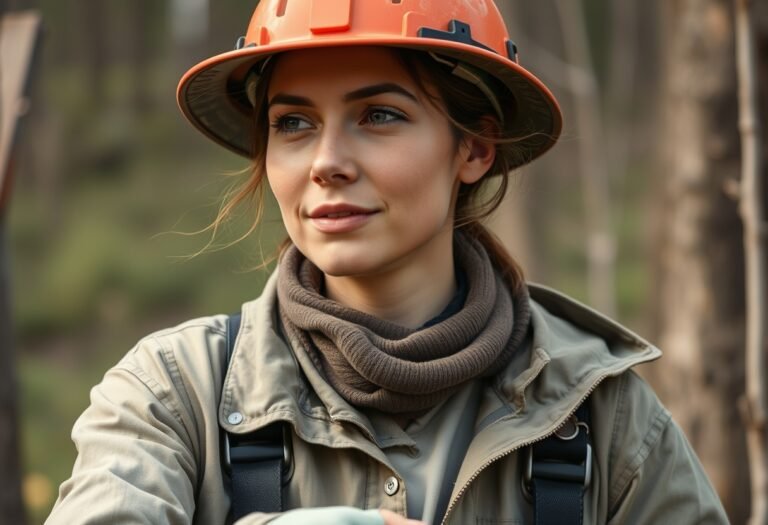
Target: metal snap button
point(235, 418)
point(391, 486)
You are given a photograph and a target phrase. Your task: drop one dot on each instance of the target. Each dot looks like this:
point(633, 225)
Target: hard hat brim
point(211, 94)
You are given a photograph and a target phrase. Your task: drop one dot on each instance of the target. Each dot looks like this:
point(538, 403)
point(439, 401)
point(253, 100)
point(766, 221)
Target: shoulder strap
point(233, 327)
point(559, 469)
point(255, 461)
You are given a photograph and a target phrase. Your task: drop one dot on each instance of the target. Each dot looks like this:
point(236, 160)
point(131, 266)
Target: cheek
point(283, 181)
point(423, 178)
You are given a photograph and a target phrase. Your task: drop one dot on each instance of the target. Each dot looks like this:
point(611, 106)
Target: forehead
point(345, 67)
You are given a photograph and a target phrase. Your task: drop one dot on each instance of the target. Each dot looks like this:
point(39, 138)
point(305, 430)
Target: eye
point(382, 116)
point(290, 124)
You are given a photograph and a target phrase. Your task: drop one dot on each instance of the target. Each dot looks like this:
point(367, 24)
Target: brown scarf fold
point(376, 364)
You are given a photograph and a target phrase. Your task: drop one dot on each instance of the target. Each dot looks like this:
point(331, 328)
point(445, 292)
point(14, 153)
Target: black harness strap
point(255, 461)
point(559, 469)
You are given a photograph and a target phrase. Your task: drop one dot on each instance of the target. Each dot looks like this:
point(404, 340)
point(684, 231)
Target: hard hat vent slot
point(457, 32)
point(397, 1)
point(281, 7)
point(512, 51)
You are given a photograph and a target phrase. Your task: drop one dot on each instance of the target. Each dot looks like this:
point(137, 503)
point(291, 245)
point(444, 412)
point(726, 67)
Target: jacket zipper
point(544, 436)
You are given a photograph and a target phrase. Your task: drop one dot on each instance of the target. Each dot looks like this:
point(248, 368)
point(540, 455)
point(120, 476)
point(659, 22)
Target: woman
point(397, 358)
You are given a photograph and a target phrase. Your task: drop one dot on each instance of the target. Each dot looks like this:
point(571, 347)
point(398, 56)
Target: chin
point(340, 259)
point(345, 267)
point(347, 262)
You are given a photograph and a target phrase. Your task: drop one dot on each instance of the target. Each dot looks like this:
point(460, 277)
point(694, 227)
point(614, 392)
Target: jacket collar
point(571, 349)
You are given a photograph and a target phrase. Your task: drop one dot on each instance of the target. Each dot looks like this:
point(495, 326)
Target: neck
point(408, 295)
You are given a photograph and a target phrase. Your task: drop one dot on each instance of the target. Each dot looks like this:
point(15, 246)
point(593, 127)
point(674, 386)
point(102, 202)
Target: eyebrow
point(364, 92)
point(378, 89)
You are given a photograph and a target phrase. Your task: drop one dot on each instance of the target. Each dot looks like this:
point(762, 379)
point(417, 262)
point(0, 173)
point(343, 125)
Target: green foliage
point(96, 264)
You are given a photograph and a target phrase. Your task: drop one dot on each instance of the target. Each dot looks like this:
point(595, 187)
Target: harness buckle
point(559, 468)
point(269, 443)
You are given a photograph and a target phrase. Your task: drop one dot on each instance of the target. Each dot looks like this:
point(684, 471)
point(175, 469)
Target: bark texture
point(700, 260)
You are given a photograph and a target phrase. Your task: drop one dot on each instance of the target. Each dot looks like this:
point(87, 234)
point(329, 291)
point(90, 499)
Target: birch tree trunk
point(753, 217)
point(699, 243)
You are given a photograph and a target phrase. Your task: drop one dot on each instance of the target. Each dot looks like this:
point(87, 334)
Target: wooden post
point(753, 216)
point(18, 37)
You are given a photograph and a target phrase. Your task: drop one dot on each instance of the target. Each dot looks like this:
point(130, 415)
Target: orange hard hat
point(467, 34)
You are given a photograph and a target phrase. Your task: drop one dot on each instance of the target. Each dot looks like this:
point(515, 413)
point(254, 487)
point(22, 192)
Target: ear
point(476, 156)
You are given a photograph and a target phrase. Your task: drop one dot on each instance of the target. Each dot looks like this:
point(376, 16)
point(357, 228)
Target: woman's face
point(364, 168)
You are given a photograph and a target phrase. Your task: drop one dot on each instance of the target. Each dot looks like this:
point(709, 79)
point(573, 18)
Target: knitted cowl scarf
point(376, 364)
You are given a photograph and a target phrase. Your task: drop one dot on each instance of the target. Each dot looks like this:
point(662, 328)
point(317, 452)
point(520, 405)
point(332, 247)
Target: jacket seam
point(658, 425)
point(181, 328)
point(173, 370)
point(153, 386)
point(229, 383)
point(288, 414)
point(618, 422)
point(367, 494)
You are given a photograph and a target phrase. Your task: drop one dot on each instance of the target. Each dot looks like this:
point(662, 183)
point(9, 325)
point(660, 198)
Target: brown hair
point(470, 113)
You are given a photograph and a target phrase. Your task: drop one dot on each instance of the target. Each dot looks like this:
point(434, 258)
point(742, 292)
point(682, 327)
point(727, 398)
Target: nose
point(333, 163)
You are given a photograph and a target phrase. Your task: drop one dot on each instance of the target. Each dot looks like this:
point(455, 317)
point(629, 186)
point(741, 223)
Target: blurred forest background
point(635, 212)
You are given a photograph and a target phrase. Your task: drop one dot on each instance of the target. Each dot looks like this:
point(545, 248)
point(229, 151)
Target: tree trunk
point(93, 23)
point(699, 244)
point(189, 27)
point(511, 221)
point(141, 54)
point(16, 49)
point(525, 221)
point(755, 405)
point(11, 506)
point(596, 195)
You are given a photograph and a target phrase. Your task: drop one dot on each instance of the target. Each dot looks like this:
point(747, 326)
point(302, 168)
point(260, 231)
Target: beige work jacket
point(149, 443)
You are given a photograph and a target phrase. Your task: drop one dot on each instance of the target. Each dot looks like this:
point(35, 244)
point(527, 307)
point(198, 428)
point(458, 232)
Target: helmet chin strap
point(463, 72)
point(252, 79)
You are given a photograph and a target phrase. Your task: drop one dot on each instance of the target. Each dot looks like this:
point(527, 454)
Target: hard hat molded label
point(330, 16)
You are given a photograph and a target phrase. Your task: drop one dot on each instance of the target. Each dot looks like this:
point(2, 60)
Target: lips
point(340, 214)
point(340, 218)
